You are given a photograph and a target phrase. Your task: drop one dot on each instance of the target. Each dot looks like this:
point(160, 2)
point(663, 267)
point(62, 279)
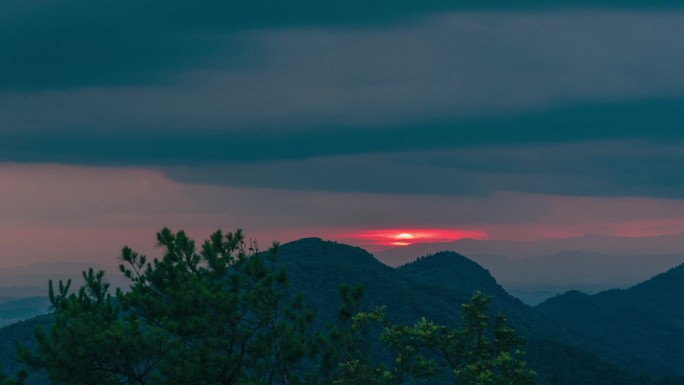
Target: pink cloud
point(56, 212)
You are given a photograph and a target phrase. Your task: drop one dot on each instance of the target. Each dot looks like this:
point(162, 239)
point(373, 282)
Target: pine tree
point(223, 315)
point(18, 379)
point(482, 353)
point(217, 316)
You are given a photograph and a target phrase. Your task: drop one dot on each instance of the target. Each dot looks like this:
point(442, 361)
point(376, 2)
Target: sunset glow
point(405, 237)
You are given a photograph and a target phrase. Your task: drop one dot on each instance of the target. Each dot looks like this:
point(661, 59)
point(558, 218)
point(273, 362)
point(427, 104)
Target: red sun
point(402, 239)
point(405, 237)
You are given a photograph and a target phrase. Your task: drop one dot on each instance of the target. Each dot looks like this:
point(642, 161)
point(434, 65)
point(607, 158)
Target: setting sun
point(404, 236)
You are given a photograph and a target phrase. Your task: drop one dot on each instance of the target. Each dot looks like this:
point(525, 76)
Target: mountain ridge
point(436, 285)
point(605, 244)
point(645, 320)
point(536, 278)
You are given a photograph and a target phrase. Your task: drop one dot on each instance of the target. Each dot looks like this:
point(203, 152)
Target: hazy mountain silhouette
point(641, 327)
point(16, 309)
point(535, 271)
point(612, 245)
point(24, 332)
point(573, 270)
point(22, 291)
point(38, 275)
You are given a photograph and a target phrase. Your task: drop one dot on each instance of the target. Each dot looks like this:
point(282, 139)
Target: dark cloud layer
point(78, 43)
point(647, 120)
point(434, 97)
point(519, 119)
point(623, 149)
point(607, 168)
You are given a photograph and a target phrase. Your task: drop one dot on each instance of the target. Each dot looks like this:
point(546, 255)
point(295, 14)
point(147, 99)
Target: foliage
point(640, 328)
point(478, 353)
point(13, 380)
point(222, 315)
point(346, 348)
point(561, 364)
point(215, 316)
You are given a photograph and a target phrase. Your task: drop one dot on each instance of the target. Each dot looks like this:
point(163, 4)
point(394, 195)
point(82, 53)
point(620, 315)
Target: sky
point(349, 120)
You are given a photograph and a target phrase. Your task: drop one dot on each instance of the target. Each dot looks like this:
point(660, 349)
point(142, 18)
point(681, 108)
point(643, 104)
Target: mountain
point(612, 245)
point(22, 331)
point(37, 275)
point(16, 309)
point(573, 270)
point(582, 268)
point(565, 344)
point(318, 268)
point(537, 278)
point(22, 291)
point(434, 286)
point(641, 327)
point(449, 272)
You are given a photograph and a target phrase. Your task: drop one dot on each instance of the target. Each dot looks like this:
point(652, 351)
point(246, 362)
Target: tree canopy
point(223, 314)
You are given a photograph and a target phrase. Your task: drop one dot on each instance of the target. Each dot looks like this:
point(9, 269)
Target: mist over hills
point(37, 275)
point(632, 336)
point(549, 275)
point(537, 270)
point(582, 268)
point(24, 289)
point(604, 244)
point(16, 309)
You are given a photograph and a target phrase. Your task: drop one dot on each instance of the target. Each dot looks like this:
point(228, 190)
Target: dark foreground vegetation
point(225, 315)
point(229, 314)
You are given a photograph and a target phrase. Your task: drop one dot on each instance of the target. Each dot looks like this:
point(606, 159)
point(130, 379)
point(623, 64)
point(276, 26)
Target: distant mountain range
point(602, 244)
point(537, 270)
point(624, 337)
point(24, 289)
point(13, 310)
point(641, 327)
point(37, 275)
point(435, 285)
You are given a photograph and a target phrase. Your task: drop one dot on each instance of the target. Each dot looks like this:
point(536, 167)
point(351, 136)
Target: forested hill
point(318, 268)
point(434, 286)
point(642, 327)
point(22, 331)
point(450, 272)
point(572, 339)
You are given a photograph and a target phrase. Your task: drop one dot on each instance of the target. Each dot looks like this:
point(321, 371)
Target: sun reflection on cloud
point(400, 243)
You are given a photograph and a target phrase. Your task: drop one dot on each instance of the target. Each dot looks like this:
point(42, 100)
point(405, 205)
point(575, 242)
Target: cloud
point(78, 43)
point(600, 168)
point(447, 80)
point(120, 197)
point(334, 105)
point(56, 212)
